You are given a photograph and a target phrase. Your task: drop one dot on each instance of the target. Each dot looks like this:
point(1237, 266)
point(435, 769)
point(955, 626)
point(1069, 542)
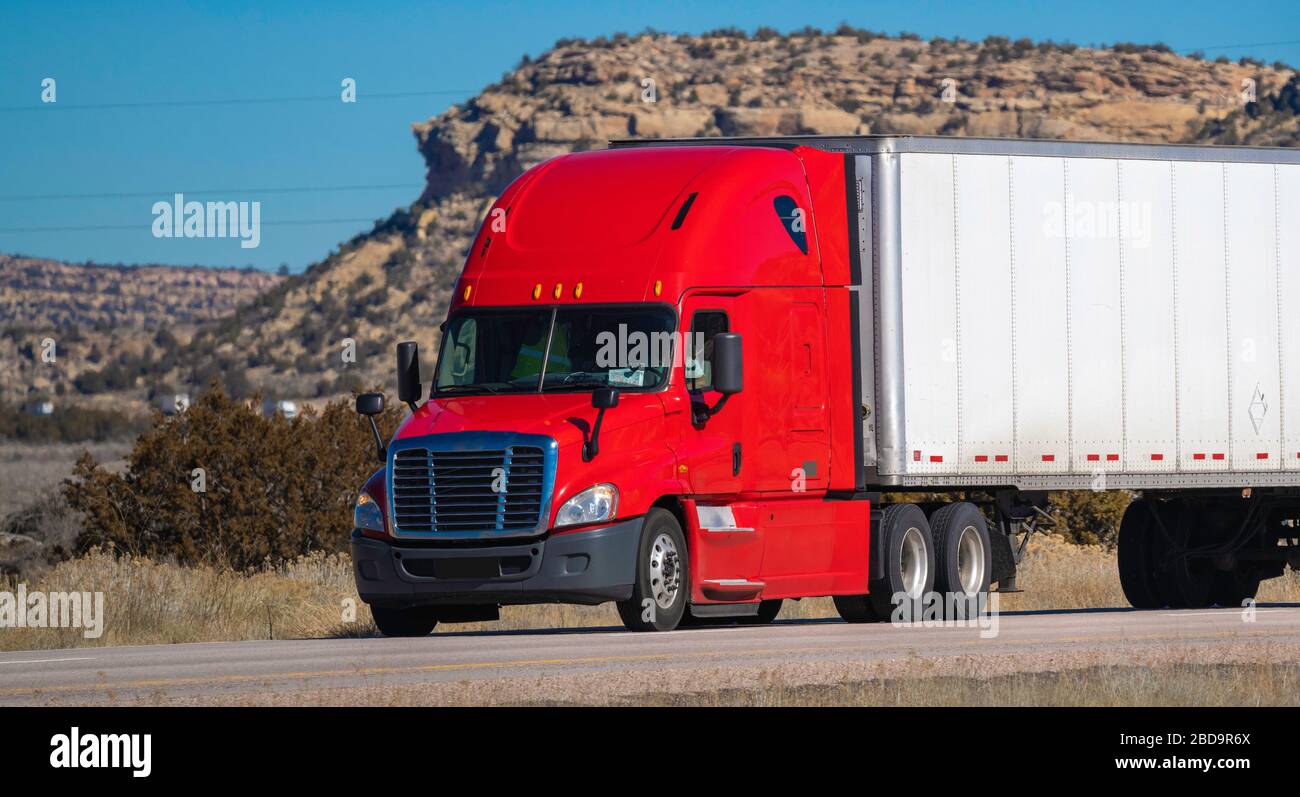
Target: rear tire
point(663, 582)
point(418, 621)
point(1185, 582)
point(963, 557)
point(1137, 567)
point(1233, 587)
point(908, 549)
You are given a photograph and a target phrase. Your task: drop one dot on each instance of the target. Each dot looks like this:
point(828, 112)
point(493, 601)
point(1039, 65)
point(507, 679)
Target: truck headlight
point(592, 505)
point(367, 515)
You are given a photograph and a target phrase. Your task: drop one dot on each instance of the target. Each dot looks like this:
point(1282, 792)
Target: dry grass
point(1182, 684)
point(29, 470)
point(150, 602)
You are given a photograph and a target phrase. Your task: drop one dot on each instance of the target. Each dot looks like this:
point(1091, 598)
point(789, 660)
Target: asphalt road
point(578, 665)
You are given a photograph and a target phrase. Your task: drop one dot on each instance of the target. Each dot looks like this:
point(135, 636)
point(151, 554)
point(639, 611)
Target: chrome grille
point(453, 491)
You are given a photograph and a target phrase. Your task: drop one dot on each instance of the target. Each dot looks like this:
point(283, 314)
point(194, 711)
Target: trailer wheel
point(417, 621)
point(662, 580)
point(1233, 587)
point(908, 548)
point(962, 557)
point(1137, 567)
point(1184, 582)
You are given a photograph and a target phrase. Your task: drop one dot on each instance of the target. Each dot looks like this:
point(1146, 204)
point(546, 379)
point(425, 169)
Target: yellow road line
point(373, 671)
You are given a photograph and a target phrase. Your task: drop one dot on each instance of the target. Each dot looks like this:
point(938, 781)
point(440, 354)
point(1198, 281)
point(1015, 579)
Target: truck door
point(710, 449)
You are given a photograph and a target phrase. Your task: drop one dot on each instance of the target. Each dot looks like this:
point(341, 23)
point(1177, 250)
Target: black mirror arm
point(701, 412)
point(592, 447)
point(379, 441)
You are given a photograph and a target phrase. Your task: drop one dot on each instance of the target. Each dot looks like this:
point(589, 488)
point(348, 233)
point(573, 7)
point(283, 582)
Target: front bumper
point(576, 567)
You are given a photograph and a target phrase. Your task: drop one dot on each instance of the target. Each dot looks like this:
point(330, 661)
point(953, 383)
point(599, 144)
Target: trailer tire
point(908, 546)
point(663, 584)
point(1184, 582)
point(409, 622)
point(1232, 588)
point(963, 557)
point(1137, 576)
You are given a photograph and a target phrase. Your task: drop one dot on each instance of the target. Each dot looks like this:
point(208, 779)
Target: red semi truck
point(680, 375)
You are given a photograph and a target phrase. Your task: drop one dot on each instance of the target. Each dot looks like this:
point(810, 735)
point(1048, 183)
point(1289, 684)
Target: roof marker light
point(559, 288)
point(468, 290)
point(537, 291)
point(659, 287)
point(577, 291)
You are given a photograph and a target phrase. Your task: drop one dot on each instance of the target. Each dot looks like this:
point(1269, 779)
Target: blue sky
point(145, 60)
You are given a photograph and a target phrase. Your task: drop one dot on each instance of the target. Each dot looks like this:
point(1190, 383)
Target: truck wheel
point(767, 612)
point(662, 581)
point(962, 560)
point(1184, 582)
point(1232, 587)
point(418, 621)
point(908, 549)
point(1137, 566)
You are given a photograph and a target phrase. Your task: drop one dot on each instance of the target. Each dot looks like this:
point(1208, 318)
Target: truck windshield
point(556, 349)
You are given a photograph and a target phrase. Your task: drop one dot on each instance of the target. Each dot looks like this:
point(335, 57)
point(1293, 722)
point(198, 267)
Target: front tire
point(418, 621)
point(662, 584)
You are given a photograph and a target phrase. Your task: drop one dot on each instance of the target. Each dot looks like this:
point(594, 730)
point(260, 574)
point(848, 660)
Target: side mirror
point(604, 398)
point(370, 404)
point(408, 374)
point(728, 363)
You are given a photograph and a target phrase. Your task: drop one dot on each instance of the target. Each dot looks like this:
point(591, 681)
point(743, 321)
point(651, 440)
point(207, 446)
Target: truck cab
point(644, 392)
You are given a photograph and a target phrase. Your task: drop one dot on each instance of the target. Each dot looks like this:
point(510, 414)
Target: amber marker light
point(559, 288)
point(537, 291)
point(577, 291)
point(659, 287)
point(468, 290)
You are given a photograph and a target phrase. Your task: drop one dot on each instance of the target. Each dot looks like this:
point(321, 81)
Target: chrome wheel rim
point(665, 571)
point(912, 564)
point(970, 561)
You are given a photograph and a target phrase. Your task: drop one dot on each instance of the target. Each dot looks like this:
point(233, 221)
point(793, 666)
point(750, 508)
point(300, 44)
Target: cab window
point(699, 348)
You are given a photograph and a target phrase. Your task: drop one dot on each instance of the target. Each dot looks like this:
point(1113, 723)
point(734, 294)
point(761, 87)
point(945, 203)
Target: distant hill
point(393, 282)
point(101, 318)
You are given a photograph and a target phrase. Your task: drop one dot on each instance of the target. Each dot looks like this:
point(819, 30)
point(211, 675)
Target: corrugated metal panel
point(929, 313)
point(1069, 317)
point(1287, 187)
point(1147, 267)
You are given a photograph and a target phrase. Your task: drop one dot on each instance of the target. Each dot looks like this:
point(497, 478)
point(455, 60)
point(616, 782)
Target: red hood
point(529, 413)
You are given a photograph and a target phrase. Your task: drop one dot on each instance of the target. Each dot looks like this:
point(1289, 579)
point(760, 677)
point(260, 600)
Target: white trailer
point(1053, 315)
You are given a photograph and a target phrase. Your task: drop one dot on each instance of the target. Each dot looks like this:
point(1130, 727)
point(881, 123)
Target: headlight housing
point(592, 505)
point(366, 514)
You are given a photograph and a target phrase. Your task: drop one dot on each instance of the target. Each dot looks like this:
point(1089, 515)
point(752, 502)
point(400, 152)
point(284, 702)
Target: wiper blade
point(468, 389)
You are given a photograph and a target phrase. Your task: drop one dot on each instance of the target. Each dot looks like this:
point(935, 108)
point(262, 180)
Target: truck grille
point(453, 491)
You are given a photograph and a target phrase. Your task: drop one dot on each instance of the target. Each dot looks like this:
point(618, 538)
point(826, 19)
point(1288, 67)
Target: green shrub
point(272, 488)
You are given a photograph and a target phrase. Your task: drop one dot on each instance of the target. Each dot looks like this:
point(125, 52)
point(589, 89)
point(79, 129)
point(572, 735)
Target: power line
point(146, 225)
point(230, 191)
point(382, 95)
point(1240, 46)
